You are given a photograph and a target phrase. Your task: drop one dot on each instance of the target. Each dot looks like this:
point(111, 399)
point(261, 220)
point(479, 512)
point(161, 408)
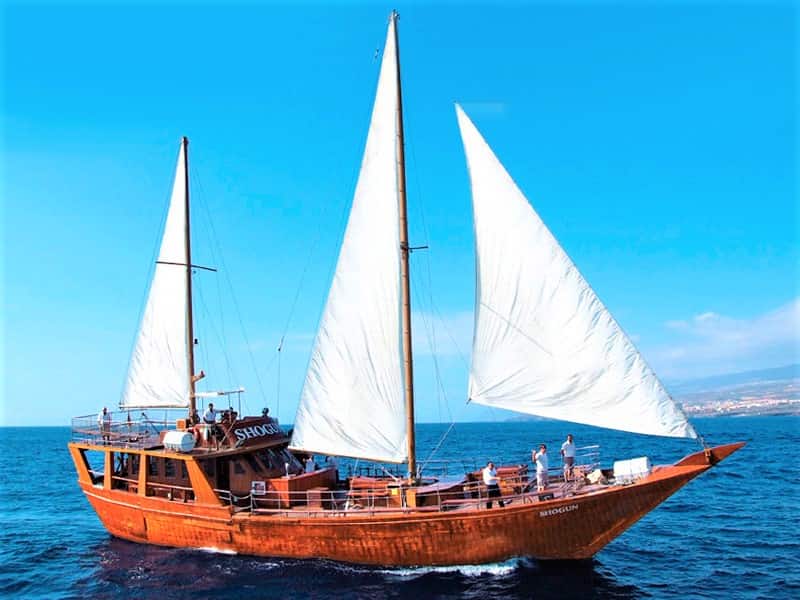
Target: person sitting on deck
point(568, 456)
point(310, 465)
point(540, 458)
point(492, 486)
point(104, 424)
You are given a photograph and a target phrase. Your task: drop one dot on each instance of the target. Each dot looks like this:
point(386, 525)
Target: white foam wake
point(495, 569)
point(214, 550)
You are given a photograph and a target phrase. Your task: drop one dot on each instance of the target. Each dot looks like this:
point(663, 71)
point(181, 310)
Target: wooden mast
point(188, 245)
point(405, 281)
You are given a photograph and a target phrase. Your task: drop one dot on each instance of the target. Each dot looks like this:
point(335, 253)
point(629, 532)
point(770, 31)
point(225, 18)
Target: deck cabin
point(220, 464)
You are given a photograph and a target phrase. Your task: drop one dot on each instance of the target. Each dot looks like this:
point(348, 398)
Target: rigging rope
point(344, 205)
point(429, 324)
point(278, 391)
point(224, 269)
point(204, 306)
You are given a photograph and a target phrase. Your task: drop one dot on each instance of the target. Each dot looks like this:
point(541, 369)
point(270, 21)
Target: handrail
point(383, 498)
point(120, 429)
point(336, 502)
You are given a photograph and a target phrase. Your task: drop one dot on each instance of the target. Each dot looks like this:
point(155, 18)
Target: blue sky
point(657, 140)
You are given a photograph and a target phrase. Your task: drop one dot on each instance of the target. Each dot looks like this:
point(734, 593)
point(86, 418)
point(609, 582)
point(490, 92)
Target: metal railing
point(431, 468)
point(121, 428)
point(383, 499)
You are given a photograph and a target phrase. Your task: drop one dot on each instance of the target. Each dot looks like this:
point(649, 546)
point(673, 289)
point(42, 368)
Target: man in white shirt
point(210, 422)
point(210, 416)
point(568, 456)
point(492, 484)
point(540, 459)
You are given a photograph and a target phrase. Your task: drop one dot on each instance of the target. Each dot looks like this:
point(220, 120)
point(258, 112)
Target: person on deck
point(104, 424)
point(540, 459)
point(331, 462)
point(210, 422)
point(311, 466)
point(210, 416)
point(568, 457)
point(492, 484)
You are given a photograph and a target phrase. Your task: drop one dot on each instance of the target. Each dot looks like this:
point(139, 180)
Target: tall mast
point(405, 281)
point(188, 244)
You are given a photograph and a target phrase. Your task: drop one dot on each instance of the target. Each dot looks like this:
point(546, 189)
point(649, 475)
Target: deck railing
point(430, 468)
point(122, 428)
point(386, 499)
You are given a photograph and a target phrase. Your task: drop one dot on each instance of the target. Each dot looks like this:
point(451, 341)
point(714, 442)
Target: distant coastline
point(790, 409)
point(780, 397)
point(768, 392)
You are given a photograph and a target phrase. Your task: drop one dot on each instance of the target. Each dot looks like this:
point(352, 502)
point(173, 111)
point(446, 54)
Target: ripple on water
point(729, 534)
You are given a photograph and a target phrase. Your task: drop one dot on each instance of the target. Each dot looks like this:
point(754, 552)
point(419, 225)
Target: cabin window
point(95, 461)
point(294, 464)
point(119, 464)
point(127, 465)
point(184, 472)
point(208, 467)
point(268, 459)
point(238, 468)
point(152, 466)
point(255, 466)
point(169, 468)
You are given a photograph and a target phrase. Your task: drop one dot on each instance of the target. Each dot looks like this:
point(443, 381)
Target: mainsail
point(544, 344)
point(352, 402)
point(158, 375)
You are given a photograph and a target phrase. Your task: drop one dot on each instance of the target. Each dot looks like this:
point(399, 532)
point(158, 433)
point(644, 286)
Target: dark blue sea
point(732, 533)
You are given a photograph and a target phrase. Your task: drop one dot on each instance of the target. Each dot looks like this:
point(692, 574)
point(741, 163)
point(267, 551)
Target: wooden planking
point(565, 528)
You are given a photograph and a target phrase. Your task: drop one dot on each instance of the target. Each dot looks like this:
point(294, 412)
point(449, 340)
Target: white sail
point(158, 375)
point(544, 344)
point(352, 402)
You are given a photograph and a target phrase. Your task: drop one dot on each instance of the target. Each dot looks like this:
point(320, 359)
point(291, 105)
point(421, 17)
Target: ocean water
point(732, 533)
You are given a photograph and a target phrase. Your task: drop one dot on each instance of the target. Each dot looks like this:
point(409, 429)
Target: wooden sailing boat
point(544, 344)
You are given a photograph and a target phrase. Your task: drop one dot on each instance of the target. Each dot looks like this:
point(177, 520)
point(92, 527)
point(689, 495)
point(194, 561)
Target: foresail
point(544, 344)
point(352, 402)
point(158, 375)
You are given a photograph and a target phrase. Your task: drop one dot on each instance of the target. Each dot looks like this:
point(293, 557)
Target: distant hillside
point(718, 382)
point(761, 392)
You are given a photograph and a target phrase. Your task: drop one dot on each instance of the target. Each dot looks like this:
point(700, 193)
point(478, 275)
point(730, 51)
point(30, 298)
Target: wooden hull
point(576, 527)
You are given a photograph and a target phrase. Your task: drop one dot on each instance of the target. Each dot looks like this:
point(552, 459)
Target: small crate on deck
point(628, 471)
point(320, 497)
point(596, 477)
